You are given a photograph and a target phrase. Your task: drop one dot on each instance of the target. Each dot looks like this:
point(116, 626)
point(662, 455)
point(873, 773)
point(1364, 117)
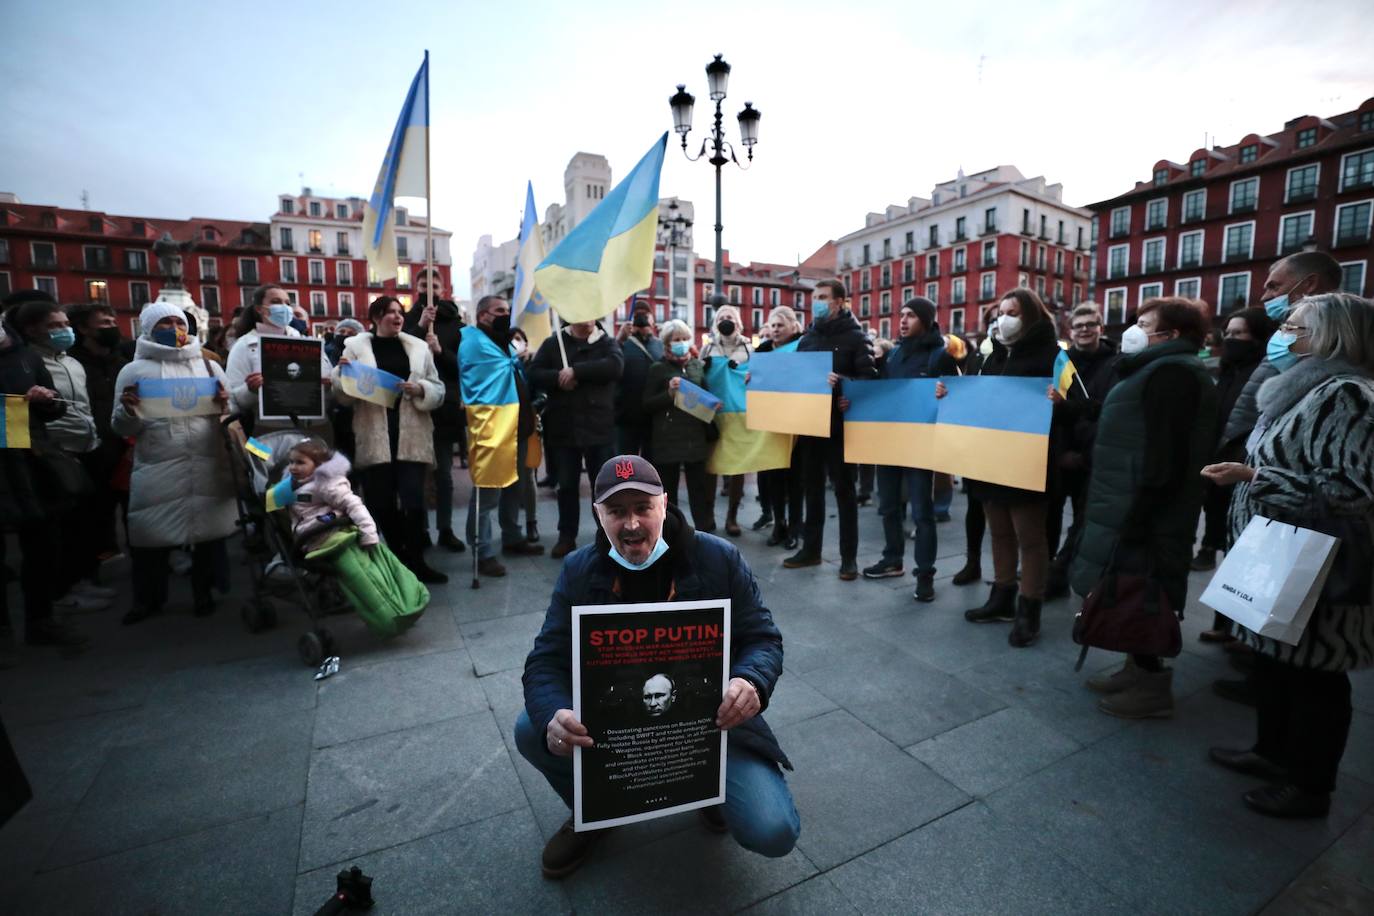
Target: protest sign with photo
point(291, 386)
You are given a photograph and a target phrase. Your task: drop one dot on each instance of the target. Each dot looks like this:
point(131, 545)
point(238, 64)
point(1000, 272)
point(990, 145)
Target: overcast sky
point(182, 109)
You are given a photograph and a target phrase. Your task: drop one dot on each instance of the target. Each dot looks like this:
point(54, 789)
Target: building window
point(1295, 230)
point(1352, 277)
point(885, 327)
point(1197, 168)
point(1077, 294)
point(933, 292)
point(1025, 221)
point(1190, 249)
point(910, 243)
point(288, 270)
point(209, 299)
point(136, 262)
point(98, 291)
point(959, 233)
point(288, 243)
point(288, 206)
point(1307, 137)
point(957, 291)
point(402, 247)
point(756, 319)
point(315, 208)
point(989, 253)
point(735, 295)
point(934, 236)
point(797, 300)
point(97, 257)
point(1059, 262)
point(1040, 287)
point(886, 275)
point(1352, 223)
point(341, 243)
point(1249, 153)
point(1080, 244)
point(1150, 291)
point(1040, 257)
point(987, 287)
point(908, 271)
point(1060, 238)
point(1058, 290)
point(1188, 289)
point(865, 305)
point(1156, 211)
point(403, 275)
point(1023, 281)
point(757, 295)
point(1121, 222)
point(1024, 259)
point(4, 249)
point(932, 265)
point(209, 269)
point(1154, 256)
point(956, 320)
point(343, 273)
point(1366, 120)
point(1357, 170)
point(1044, 227)
point(989, 220)
point(341, 211)
point(1244, 195)
point(248, 270)
point(1114, 308)
point(907, 293)
point(44, 254)
point(318, 307)
point(774, 297)
point(316, 238)
point(887, 249)
point(1117, 257)
point(46, 284)
point(960, 260)
point(345, 305)
point(1302, 183)
point(1161, 177)
point(885, 303)
point(1239, 244)
point(866, 257)
point(139, 294)
point(1233, 292)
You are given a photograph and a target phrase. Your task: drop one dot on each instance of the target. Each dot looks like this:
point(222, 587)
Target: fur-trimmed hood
point(336, 466)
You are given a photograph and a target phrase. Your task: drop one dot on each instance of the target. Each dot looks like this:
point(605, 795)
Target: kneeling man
point(647, 552)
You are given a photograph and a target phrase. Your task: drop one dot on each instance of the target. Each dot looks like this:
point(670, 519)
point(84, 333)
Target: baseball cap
point(626, 472)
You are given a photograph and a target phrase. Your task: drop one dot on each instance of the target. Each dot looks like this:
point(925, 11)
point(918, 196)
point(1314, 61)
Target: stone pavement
point(185, 766)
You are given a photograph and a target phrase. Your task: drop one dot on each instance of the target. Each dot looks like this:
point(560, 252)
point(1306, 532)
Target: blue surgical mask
point(62, 339)
point(1277, 308)
point(1280, 356)
point(820, 309)
point(280, 315)
point(681, 348)
point(659, 550)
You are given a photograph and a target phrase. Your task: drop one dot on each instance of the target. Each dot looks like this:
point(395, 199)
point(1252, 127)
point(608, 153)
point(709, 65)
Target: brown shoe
point(562, 548)
point(732, 527)
point(567, 849)
point(523, 549)
point(491, 568)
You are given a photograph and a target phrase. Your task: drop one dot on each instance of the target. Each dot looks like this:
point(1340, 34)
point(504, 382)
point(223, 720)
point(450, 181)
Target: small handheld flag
point(1064, 373)
point(177, 397)
point(281, 494)
point(368, 383)
point(254, 447)
point(697, 401)
point(14, 422)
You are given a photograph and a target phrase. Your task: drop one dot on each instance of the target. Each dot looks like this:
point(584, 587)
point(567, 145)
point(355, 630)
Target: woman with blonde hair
point(729, 343)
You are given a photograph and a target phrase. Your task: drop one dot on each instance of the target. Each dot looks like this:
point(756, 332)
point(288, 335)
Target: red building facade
point(1210, 228)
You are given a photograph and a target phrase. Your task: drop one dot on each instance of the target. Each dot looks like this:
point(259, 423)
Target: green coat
point(677, 436)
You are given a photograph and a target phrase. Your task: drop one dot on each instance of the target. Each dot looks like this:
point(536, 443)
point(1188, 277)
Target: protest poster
point(368, 383)
point(647, 681)
point(291, 388)
point(159, 398)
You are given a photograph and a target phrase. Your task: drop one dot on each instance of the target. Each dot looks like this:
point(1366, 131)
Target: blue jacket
point(708, 567)
point(920, 357)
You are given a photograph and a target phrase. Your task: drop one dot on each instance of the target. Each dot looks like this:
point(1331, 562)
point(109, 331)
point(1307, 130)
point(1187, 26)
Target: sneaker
point(91, 590)
point(52, 633)
point(1206, 559)
point(925, 587)
point(567, 849)
point(864, 499)
point(491, 568)
point(451, 542)
point(75, 602)
point(564, 547)
point(523, 549)
point(765, 521)
point(800, 559)
point(849, 570)
point(883, 570)
point(1288, 801)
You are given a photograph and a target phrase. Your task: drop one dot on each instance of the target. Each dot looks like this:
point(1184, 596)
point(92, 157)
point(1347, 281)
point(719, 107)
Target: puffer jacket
point(244, 360)
point(327, 492)
point(373, 440)
point(585, 415)
point(75, 430)
point(180, 491)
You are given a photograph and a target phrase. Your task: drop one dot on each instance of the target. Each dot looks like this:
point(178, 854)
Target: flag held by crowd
point(741, 450)
point(14, 422)
point(790, 393)
point(1064, 373)
point(403, 174)
point(891, 422)
point(368, 383)
point(529, 308)
point(159, 398)
point(258, 449)
point(697, 401)
point(281, 494)
point(487, 377)
point(608, 256)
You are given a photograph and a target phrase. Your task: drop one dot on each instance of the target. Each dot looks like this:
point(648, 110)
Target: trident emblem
point(624, 469)
point(184, 396)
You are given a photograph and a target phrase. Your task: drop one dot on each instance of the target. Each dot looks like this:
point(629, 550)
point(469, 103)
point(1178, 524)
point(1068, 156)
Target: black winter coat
point(852, 356)
point(640, 356)
point(585, 415)
point(101, 372)
point(448, 327)
point(924, 356)
point(1098, 372)
point(22, 484)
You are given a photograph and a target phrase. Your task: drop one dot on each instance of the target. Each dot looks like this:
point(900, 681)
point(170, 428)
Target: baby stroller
point(279, 570)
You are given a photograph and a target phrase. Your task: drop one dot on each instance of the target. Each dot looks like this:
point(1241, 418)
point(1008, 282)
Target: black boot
point(416, 537)
point(1026, 627)
point(971, 572)
point(1000, 606)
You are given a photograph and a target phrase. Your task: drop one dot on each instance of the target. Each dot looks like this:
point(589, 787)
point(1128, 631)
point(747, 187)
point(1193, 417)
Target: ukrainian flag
point(790, 393)
point(891, 422)
point(1064, 373)
point(697, 401)
point(259, 449)
point(741, 450)
point(529, 309)
point(403, 174)
point(487, 378)
point(609, 255)
point(281, 494)
point(994, 429)
point(14, 422)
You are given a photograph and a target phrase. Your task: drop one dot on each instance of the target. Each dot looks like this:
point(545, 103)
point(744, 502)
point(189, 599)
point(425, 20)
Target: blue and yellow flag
point(403, 174)
point(790, 393)
point(741, 450)
point(260, 449)
point(697, 401)
point(528, 308)
point(1064, 373)
point(487, 379)
point(368, 383)
point(609, 255)
point(14, 422)
point(281, 494)
point(194, 396)
point(891, 422)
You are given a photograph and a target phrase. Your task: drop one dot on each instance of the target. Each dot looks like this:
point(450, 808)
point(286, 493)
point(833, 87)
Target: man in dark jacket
point(646, 552)
point(640, 346)
point(919, 353)
point(834, 329)
point(97, 350)
point(439, 322)
point(580, 375)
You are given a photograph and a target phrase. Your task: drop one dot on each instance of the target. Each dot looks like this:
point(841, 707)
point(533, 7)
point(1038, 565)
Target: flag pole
point(429, 209)
point(557, 333)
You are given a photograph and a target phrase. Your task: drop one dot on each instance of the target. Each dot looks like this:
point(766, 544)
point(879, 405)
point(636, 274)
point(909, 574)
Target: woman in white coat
point(395, 445)
point(269, 314)
point(180, 492)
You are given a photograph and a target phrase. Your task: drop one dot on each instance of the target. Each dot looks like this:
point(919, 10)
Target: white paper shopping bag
point(1271, 579)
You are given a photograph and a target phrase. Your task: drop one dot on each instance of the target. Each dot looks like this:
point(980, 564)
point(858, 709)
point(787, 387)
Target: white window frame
point(293, 297)
point(960, 259)
point(1231, 194)
point(128, 252)
point(1150, 203)
point(254, 262)
point(1278, 239)
point(1223, 307)
point(1178, 287)
point(340, 267)
point(1163, 241)
point(756, 318)
point(319, 297)
point(1225, 240)
point(1347, 156)
point(957, 287)
point(956, 320)
point(1077, 294)
point(1111, 221)
point(1158, 288)
point(281, 270)
point(1336, 215)
point(1023, 280)
point(101, 280)
point(865, 305)
point(288, 205)
point(774, 297)
point(214, 268)
point(933, 291)
point(907, 294)
point(33, 253)
point(310, 272)
point(1288, 178)
point(988, 245)
point(884, 327)
point(1107, 304)
point(131, 293)
point(1183, 205)
point(1201, 247)
point(885, 302)
point(1364, 273)
point(983, 279)
point(798, 300)
point(340, 211)
point(218, 300)
point(1126, 267)
point(52, 280)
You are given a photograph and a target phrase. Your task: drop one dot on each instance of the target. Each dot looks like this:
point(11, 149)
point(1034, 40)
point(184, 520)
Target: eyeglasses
point(1086, 327)
point(1291, 328)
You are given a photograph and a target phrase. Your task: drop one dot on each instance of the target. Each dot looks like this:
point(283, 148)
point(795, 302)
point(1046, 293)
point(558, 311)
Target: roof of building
point(90, 224)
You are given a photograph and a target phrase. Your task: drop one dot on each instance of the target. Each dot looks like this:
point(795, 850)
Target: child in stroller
point(323, 497)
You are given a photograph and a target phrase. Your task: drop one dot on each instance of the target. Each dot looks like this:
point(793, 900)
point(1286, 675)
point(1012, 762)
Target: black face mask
point(108, 338)
point(1239, 352)
point(727, 328)
point(500, 325)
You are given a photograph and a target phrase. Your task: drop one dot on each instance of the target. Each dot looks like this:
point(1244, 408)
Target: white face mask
point(1134, 339)
point(518, 346)
point(1008, 328)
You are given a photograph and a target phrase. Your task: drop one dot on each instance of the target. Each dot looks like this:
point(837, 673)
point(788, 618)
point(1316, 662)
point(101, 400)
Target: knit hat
point(355, 326)
point(154, 312)
point(924, 310)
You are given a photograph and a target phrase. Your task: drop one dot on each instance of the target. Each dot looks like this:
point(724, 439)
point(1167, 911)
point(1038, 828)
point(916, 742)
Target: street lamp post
point(717, 77)
point(677, 226)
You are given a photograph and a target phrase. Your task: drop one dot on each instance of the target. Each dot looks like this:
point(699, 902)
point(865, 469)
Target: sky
point(176, 110)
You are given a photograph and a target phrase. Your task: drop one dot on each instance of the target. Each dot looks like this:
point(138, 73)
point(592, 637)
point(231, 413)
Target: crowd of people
point(1169, 424)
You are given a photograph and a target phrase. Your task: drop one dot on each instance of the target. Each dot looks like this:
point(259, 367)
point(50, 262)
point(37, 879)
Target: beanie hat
point(154, 312)
point(924, 310)
point(357, 326)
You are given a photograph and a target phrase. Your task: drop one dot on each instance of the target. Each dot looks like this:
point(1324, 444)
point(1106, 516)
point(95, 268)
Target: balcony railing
point(1119, 232)
point(1189, 260)
point(989, 229)
point(1351, 237)
point(1232, 256)
point(1299, 195)
point(961, 236)
point(960, 267)
point(932, 274)
point(957, 299)
point(1244, 206)
point(1154, 224)
point(989, 262)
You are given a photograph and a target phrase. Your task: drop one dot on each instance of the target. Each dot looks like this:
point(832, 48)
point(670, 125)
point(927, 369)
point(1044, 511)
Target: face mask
point(518, 346)
point(659, 550)
point(1280, 356)
point(985, 347)
point(820, 309)
point(727, 328)
point(681, 348)
point(1009, 327)
point(1277, 308)
point(107, 337)
point(299, 326)
point(501, 324)
point(168, 337)
point(1234, 350)
point(1134, 339)
point(280, 315)
point(62, 339)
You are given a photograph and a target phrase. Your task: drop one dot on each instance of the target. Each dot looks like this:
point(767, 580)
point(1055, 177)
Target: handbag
point(1127, 611)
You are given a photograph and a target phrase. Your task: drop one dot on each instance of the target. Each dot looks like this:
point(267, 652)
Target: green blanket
point(386, 595)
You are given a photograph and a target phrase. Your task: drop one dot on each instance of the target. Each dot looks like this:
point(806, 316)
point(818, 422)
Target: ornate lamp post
point(674, 234)
point(717, 77)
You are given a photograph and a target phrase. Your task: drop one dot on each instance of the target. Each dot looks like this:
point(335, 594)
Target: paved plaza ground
point(185, 766)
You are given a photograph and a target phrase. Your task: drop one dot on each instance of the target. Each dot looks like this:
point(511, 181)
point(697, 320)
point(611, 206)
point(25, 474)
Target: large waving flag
point(404, 173)
point(529, 309)
point(487, 379)
point(741, 450)
point(610, 254)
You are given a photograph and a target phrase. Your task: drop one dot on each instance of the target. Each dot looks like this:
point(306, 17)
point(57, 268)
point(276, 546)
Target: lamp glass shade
point(717, 76)
point(682, 102)
point(749, 124)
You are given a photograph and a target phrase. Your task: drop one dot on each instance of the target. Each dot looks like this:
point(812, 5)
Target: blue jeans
point(758, 806)
point(506, 501)
point(569, 461)
point(920, 487)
